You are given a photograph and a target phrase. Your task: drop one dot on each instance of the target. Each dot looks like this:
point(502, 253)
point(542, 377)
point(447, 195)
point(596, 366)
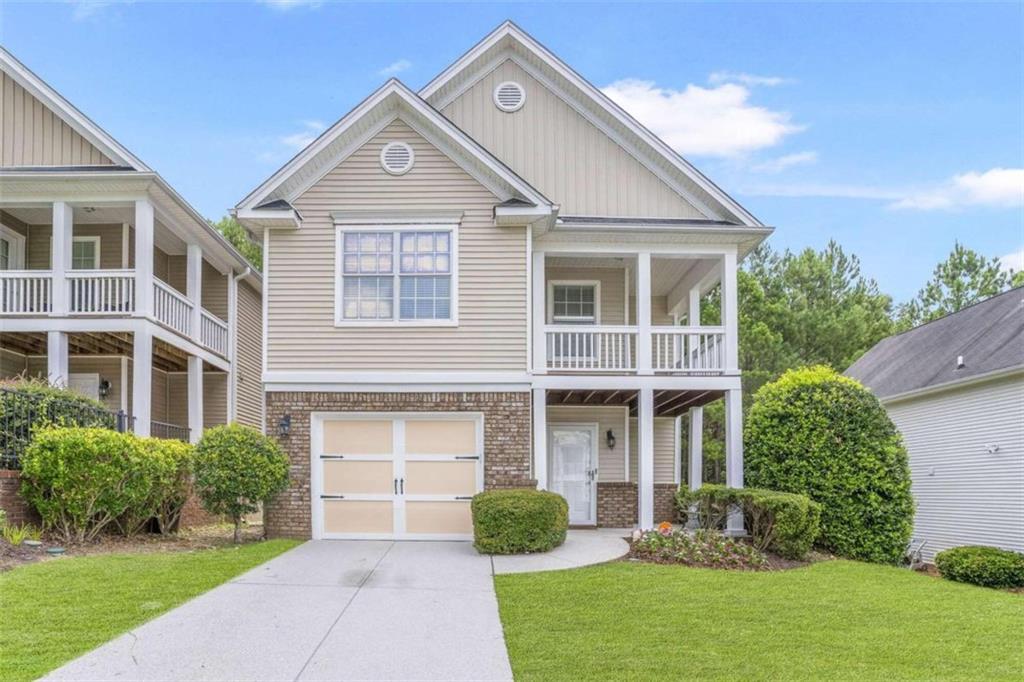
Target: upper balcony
point(632, 313)
point(65, 260)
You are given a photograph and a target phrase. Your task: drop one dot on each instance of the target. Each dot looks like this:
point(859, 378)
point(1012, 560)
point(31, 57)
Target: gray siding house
point(955, 389)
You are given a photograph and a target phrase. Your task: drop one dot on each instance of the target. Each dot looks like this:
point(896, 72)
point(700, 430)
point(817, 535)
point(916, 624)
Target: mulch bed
point(775, 562)
point(202, 537)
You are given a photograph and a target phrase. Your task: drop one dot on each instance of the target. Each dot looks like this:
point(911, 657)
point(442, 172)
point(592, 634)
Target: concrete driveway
point(327, 610)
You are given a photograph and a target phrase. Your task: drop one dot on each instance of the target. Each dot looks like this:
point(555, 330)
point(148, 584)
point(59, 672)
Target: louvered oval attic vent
point(509, 96)
point(396, 157)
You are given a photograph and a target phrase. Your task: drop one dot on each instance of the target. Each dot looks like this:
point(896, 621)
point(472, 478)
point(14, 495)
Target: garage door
point(408, 476)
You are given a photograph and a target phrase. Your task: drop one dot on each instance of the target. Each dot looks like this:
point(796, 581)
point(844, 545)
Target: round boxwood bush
point(236, 468)
point(518, 521)
point(823, 435)
point(985, 566)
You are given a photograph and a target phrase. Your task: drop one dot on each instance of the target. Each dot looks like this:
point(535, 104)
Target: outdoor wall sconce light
point(609, 438)
point(104, 389)
point(284, 427)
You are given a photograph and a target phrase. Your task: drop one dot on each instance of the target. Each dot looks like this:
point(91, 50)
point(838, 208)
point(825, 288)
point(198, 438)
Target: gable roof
point(78, 121)
point(988, 335)
point(508, 41)
point(391, 101)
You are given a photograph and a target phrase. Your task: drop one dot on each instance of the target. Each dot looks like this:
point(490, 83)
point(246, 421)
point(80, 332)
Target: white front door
point(574, 469)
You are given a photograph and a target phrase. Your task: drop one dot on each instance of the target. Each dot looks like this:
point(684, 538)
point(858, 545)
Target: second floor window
point(574, 304)
point(404, 275)
point(85, 253)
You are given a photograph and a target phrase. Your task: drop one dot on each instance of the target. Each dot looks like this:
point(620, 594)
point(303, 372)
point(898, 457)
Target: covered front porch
point(616, 454)
point(167, 393)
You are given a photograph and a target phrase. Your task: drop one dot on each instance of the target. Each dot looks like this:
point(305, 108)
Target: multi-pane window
point(574, 303)
point(84, 254)
point(423, 287)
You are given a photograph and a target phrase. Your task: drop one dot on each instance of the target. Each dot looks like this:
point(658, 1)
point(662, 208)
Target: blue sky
point(895, 129)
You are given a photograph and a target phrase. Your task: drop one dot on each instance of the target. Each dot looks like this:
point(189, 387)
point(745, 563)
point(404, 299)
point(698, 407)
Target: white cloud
point(719, 77)
point(395, 67)
point(301, 139)
point(285, 5)
point(1013, 262)
point(87, 9)
point(718, 121)
point(998, 187)
point(781, 163)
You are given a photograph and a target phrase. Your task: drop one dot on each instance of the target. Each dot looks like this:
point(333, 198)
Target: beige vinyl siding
point(664, 449)
point(38, 238)
point(215, 291)
point(177, 399)
point(12, 364)
point(491, 334)
point(176, 273)
point(107, 367)
point(249, 357)
point(613, 292)
point(215, 399)
point(160, 399)
point(611, 463)
point(966, 495)
point(33, 135)
point(561, 153)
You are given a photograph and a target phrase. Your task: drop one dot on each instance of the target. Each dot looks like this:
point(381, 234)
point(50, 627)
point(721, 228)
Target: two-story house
point(110, 283)
point(492, 282)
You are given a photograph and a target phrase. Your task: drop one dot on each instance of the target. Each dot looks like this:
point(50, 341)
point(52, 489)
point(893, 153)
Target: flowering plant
point(705, 548)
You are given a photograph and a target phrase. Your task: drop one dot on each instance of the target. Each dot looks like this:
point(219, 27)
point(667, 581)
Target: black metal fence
point(23, 410)
point(169, 431)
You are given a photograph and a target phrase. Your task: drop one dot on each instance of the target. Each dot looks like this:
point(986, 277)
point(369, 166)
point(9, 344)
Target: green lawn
point(53, 611)
point(832, 620)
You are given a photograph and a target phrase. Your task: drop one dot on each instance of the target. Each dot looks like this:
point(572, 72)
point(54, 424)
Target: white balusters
point(213, 332)
point(172, 308)
point(25, 292)
point(107, 292)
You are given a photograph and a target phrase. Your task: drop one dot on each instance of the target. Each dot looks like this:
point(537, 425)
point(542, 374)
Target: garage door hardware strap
point(332, 456)
point(332, 497)
point(467, 457)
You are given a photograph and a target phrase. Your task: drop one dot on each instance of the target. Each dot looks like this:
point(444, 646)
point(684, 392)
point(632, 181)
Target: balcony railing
point(101, 292)
point(688, 349)
point(169, 431)
point(213, 332)
point(172, 308)
point(25, 292)
point(599, 348)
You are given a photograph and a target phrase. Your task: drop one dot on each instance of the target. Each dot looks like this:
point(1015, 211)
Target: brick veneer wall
point(617, 504)
point(506, 440)
point(11, 502)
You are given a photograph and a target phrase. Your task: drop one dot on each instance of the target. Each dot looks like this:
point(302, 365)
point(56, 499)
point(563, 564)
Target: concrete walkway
point(341, 610)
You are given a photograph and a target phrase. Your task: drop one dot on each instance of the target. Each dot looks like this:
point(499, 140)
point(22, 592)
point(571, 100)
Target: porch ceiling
point(166, 357)
point(666, 403)
point(666, 273)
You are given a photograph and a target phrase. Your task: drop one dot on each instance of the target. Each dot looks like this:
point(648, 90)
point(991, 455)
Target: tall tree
point(964, 278)
point(240, 239)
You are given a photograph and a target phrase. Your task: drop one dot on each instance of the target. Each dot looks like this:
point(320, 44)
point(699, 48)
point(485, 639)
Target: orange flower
point(665, 528)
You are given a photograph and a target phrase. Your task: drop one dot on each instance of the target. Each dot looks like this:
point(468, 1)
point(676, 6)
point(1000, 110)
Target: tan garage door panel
point(358, 437)
point(355, 477)
point(359, 516)
point(440, 478)
point(440, 437)
point(438, 517)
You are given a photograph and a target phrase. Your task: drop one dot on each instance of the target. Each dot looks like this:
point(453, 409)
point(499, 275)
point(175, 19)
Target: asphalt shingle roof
point(989, 335)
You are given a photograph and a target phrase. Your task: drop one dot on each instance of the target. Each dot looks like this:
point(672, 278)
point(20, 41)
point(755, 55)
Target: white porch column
point(57, 359)
point(539, 312)
point(144, 259)
point(645, 456)
point(540, 437)
point(730, 312)
point(194, 287)
point(734, 452)
point(643, 313)
point(195, 398)
point(60, 255)
point(696, 469)
point(142, 379)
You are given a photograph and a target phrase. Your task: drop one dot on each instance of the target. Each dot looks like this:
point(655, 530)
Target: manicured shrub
point(707, 548)
point(985, 566)
point(518, 521)
point(168, 466)
point(82, 479)
point(30, 404)
point(784, 523)
point(236, 468)
point(823, 435)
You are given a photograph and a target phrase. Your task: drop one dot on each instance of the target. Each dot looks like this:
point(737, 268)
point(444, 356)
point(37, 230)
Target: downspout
point(233, 347)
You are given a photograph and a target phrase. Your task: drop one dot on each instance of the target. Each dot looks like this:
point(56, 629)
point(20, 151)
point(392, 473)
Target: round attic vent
point(396, 157)
point(509, 96)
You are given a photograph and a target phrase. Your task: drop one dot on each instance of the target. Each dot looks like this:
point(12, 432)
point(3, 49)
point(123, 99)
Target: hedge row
point(985, 566)
point(784, 523)
point(518, 521)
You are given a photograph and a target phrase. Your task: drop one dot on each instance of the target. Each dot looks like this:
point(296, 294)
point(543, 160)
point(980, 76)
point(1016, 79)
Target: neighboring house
point(110, 283)
point(493, 282)
point(954, 388)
